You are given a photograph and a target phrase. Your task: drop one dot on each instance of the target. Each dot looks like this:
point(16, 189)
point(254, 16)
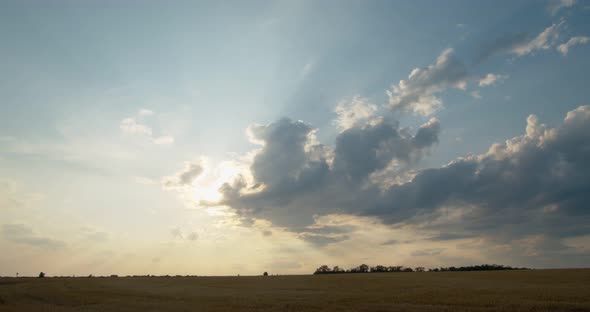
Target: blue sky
point(120, 121)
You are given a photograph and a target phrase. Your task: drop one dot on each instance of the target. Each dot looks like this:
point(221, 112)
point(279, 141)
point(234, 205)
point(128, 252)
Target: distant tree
point(419, 269)
point(408, 270)
point(323, 269)
point(265, 274)
point(379, 268)
point(41, 275)
point(337, 269)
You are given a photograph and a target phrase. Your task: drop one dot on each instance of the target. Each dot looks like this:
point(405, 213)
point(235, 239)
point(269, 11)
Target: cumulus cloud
point(530, 183)
point(491, 79)
point(22, 234)
point(521, 44)
point(564, 48)
point(295, 178)
point(357, 111)
point(508, 187)
point(418, 93)
point(556, 5)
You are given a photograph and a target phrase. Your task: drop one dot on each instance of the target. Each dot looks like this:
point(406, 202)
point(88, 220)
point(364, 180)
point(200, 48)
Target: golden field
point(535, 290)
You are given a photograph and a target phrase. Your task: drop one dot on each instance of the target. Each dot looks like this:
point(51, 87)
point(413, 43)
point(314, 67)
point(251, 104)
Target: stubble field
point(536, 290)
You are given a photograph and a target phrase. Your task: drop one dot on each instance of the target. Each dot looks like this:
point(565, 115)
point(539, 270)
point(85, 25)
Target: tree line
point(363, 268)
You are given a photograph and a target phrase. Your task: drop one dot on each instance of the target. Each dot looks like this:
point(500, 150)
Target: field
point(537, 290)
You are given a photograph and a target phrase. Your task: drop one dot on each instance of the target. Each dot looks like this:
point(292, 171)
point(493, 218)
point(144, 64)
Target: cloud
point(418, 93)
point(131, 126)
point(184, 177)
point(556, 5)
point(520, 44)
point(307, 69)
point(355, 112)
point(22, 234)
point(491, 79)
point(295, 178)
point(475, 94)
point(94, 235)
point(543, 41)
point(145, 112)
point(509, 187)
point(319, 240)
point(177, 233)
point(144, 180)
point(163, 140)
point(564, 48)
point(530, 183)
point(193, 236)
point(427, 252)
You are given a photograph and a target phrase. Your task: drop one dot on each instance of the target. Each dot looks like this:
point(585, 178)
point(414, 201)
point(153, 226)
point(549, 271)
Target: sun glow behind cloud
point(206, 187)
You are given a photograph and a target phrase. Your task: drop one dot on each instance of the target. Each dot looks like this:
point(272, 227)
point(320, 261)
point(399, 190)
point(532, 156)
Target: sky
point(232, 137)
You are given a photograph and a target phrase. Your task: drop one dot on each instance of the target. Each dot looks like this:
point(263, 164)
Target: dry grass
point(540, 290)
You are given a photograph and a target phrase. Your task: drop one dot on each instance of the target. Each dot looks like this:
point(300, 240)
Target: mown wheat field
point(536, 290)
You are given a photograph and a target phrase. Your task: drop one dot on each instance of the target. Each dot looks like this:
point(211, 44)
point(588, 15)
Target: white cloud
point(163, 140)
point(543, 41)
point(556, 5)
point(564, 48)
point(353, 113)
point(475, 94)
point(307, 68)
point(418, 92)
point(491, 79)
point(131, 126)
point(145, 112)
point(144, 180)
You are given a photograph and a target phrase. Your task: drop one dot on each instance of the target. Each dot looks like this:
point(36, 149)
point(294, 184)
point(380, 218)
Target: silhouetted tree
point(379, 268)
point(323, 270)
point(265, 274)
point(41, 275)
point(363, 268)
